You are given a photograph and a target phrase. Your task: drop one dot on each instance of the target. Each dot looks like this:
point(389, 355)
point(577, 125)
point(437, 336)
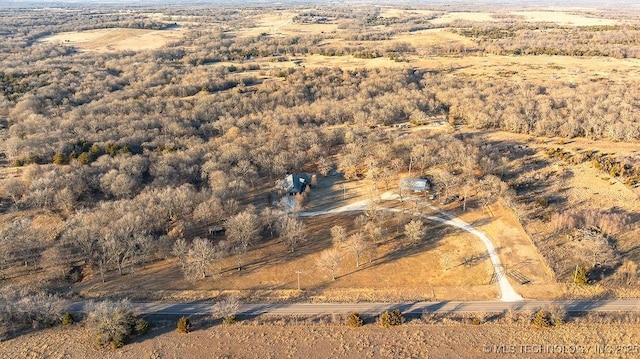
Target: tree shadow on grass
point(402, 250)
point(482, 222)
point(159, 325)
point(283, 255)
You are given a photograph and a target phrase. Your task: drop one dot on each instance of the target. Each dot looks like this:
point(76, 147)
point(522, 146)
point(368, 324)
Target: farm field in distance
point(260, 154)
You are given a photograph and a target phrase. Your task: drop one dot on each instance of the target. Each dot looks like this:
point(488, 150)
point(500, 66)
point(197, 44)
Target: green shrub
point(579, 276)
point(31, 159)
point(229, 319)
point(142, 327)
point(83, 158)
point(354, 320)
point(541, 319)
point(385, 319)
point(542, 202)
point(95, 151)
point(396, 317)
point(184, 325)
point(391, 319)
point(111, 149)
point(118, 341)
point(67, 319)
point(557, 319)
point(59, 159)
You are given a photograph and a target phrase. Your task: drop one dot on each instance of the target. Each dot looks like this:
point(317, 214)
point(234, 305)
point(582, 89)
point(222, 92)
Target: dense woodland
point(132, 148)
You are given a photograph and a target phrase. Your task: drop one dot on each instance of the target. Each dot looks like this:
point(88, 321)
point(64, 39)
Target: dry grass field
point(564, 18)
point(424, 38)
point(388, 12)
point(463, 15)
point(113, 40)
point(581, 186)
point(289, 338)
point(544, 68)
point(281, 24)
point(517, 253)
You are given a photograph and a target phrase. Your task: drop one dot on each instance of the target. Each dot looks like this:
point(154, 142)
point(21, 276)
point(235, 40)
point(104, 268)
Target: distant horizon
point(523, 3)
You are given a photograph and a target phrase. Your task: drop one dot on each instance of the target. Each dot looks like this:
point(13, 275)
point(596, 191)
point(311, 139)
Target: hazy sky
point(422, 2)
point(475, 3)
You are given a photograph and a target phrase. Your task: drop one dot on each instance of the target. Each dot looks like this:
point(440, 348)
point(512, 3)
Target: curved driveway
point(507, 293)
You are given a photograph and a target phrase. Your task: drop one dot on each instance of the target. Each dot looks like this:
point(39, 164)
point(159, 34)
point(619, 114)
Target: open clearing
point(564, 18)
point(117, 39)
point(433, 269)
point(465, 16)
point(393, 12)
point(448, 264)
point(546, 68)
point(281, 24)
point(431, 37)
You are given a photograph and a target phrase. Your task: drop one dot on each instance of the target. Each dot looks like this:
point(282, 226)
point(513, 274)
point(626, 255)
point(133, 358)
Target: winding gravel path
point(507, 293)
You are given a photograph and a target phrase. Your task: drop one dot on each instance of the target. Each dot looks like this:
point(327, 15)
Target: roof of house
point(414, 184)
point(296, 183)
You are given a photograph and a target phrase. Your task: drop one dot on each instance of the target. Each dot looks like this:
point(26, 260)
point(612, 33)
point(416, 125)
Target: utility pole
point(298, 273)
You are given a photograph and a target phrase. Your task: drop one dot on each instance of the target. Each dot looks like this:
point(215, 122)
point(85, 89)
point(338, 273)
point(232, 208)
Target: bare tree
point(241, 231)
point(180, 250)
point(490, 188)
point(15, 189)
point(467, 186)
point(20, 241)
point(338, 235)
point(291, 231)
point(446, 180)
point(226, 309)
point(246, 170)
point(113, 322)
point(41, 308)
point(209, 211)
point(269, 217)
point(200, 257)
point(330, 261)
point(385, 176)
point(414, 231)
point(65, 200)
point(361, 221)
point(628, 272)
point(357, 245)
point(324, 166)
point(372, 231)
point(373, 211)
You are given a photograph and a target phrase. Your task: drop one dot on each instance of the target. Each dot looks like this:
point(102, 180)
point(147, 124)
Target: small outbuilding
point(415, 184)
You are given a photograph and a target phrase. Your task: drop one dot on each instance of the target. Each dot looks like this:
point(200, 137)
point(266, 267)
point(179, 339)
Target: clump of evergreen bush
point(184, 325)
point(354, 320)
